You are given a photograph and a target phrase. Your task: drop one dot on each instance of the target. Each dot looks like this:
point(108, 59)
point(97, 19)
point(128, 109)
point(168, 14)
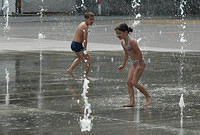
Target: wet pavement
point(42, 99)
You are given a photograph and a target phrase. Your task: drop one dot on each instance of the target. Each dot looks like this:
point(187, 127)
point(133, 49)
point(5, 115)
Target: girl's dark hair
point(123, 27)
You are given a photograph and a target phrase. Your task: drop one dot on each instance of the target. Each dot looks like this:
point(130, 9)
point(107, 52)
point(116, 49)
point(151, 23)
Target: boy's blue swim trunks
point(76, 46)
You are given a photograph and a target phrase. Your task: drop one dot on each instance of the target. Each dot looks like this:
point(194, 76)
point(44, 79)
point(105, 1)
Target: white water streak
point(181, 104)
point(6, 9)
point(135, 4)
point(7, 84)
point(86, 121)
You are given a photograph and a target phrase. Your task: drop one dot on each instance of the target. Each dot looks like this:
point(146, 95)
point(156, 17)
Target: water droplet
point(41, 36)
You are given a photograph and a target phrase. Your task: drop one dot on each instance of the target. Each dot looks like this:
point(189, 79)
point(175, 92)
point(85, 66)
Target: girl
point(131, 49)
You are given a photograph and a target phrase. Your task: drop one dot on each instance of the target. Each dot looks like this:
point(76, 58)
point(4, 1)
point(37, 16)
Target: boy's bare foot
point(70, 73)
point(128, 105)
point(148, 100)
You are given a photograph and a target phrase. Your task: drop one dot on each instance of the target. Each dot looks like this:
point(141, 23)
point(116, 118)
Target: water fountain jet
point(182, 41)
point(5, 8)
point(7, 88)
point(181, 104)
point(41, 36)
point(86, 121)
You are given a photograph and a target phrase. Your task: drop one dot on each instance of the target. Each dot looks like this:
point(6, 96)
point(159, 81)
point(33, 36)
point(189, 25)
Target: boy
point(79, 44)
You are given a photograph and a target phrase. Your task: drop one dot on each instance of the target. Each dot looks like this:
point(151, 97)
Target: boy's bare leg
point(75, 62)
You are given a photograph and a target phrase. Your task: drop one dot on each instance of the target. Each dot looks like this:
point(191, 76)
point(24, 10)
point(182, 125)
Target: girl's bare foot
point(128, 105)
point(148, 100)
point(70, 73)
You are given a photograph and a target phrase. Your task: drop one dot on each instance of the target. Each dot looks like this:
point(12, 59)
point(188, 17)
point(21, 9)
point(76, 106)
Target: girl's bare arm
point(125, 56)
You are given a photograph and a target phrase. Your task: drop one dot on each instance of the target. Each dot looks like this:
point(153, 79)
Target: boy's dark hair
point(123, 27)
point(88, 15)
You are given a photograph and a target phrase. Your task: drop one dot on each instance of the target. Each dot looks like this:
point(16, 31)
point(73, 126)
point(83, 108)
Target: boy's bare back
point(79, 34)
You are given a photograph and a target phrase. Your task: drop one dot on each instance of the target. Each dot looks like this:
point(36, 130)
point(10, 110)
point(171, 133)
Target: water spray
point(7, 84)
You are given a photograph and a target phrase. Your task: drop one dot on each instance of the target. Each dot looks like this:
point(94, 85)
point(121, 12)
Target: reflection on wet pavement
point(56, 105)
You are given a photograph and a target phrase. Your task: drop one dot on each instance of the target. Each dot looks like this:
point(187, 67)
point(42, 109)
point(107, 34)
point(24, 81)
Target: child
point(79, 43)
point(131, 49)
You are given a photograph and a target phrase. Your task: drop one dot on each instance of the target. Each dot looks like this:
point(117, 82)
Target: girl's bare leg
point(143, 91)
point(136, 76)
point(130, 88)
point(75, 62)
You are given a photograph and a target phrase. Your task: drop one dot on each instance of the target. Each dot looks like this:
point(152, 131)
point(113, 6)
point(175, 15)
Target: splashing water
point(7, 78)
point(7, 84)
point(41, 57)
point(78, 8)
point(83, 4)
point(139, 39)
point(5, 5)
point(6, 9)
point(183, 23)
point(181, 126)
point(181, 104)
point(182, 5)
point(135, 4)
point(138, 107)
point(182, 40)
point(41, 35)
point(138, 16)
point(86, 121)
point(112, 59)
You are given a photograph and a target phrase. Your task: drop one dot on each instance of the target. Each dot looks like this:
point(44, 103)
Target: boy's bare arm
point(85, 36)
